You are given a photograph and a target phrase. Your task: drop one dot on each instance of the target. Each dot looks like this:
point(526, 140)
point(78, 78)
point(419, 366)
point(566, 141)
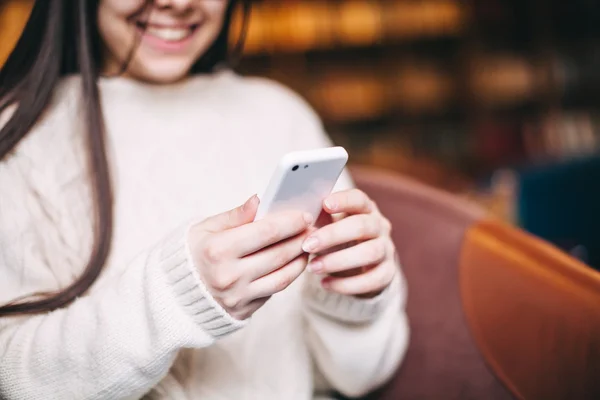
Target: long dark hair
point(61, 38)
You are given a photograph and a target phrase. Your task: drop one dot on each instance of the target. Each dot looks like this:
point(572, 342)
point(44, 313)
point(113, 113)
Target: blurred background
point(494, 100)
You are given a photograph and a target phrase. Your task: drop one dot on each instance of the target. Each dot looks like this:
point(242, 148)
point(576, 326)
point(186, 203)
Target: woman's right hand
point(242, 263)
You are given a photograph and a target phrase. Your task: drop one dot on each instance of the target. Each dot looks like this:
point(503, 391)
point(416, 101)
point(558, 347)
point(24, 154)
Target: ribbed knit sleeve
point(117, 342)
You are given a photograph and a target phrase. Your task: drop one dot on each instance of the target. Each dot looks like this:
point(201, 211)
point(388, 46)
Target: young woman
point(139, 282)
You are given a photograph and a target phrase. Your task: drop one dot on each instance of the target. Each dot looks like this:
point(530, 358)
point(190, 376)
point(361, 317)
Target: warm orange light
point(13, 17)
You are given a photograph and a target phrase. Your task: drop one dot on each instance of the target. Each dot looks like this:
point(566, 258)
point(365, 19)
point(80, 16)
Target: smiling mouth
point(167, 33)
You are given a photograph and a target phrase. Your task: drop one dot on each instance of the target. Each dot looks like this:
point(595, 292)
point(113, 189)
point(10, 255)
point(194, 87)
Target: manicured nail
point(315, 267)
point(330, 204)
point(310, 244)
point(307, 218)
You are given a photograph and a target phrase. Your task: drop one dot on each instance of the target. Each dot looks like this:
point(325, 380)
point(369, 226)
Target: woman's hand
point(354, 252)
point(243, 263)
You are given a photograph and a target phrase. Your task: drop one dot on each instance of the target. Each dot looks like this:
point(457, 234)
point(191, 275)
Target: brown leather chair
point(494, 312)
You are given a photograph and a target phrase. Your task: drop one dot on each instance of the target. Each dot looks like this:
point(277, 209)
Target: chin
point(160, 72)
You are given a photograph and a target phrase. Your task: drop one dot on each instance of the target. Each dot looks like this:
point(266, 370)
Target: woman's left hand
point(355, 253)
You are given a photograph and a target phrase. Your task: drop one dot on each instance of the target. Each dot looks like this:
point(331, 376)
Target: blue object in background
point(561, 204)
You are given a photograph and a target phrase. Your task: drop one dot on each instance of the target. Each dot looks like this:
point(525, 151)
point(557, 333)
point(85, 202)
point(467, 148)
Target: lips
point(168, 33)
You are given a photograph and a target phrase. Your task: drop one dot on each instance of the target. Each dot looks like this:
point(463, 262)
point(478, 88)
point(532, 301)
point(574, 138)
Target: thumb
point(233, 218)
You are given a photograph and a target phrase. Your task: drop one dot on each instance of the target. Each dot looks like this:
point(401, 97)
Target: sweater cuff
point(346, 308)
point(175, 258)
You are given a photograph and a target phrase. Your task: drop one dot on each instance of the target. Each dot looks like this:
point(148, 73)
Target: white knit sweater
point(148, 327)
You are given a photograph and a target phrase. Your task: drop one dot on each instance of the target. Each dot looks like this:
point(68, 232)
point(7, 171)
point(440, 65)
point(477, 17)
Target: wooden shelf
point(280, 27)
point(414, 87)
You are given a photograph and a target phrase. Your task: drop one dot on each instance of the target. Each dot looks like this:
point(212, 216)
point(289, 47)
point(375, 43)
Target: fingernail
point(307, 218)
point(249, 202)
point(315, 267)
point(310, 244)
point(325, 283)
point(330, 204)
point(370, 206)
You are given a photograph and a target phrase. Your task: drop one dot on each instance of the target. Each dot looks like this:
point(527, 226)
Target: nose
point(173, 4)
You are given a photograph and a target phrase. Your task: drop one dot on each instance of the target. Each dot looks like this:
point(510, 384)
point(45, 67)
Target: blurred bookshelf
point(450, 92)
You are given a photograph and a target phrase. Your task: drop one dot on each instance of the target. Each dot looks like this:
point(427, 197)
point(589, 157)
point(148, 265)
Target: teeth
point(169, 34)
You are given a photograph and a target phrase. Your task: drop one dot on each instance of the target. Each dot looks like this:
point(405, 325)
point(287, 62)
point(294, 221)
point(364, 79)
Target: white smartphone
point(302, 180)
